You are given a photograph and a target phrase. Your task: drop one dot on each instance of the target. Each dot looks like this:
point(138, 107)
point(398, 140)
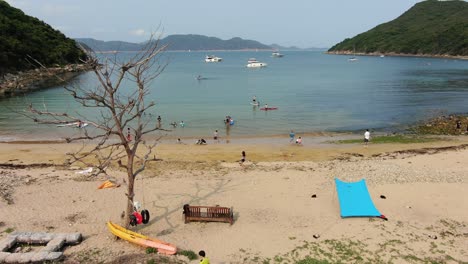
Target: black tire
point(133, 220)
point(146, 216)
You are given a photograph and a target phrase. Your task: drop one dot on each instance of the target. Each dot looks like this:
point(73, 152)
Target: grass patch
point(150, 250)
point(309, 260)
point(402, 139)
point(9, 230)
point(189, 254)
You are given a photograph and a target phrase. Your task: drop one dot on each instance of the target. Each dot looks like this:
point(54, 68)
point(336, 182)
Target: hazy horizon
point(304, 24)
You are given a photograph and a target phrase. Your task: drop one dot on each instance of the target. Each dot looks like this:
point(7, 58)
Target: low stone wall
point(50, 252)
point(23, 82)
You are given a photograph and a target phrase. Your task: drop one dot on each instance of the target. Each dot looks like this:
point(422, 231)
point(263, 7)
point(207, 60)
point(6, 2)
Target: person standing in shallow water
point(215, 136)
point(159, 121)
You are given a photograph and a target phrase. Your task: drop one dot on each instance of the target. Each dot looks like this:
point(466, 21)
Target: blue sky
point(303, 23)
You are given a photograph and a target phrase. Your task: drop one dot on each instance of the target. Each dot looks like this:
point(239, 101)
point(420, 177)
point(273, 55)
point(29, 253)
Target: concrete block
point(3, 256)
point(54, 245)
point(7, 243)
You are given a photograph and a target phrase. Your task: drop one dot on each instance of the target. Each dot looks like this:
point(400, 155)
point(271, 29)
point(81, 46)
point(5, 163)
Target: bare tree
point(119, 97)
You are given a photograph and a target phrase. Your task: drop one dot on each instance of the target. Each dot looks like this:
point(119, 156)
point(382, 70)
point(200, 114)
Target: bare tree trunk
point(130, 194)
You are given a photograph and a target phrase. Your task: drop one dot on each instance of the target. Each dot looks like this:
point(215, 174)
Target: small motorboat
point(212, 58)
point(254, 63)
point(276, 54)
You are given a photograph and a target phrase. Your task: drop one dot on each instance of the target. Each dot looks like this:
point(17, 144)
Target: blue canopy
point(355, 200)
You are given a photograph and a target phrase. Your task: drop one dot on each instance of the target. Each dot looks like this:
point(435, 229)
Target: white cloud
point(59, 10)
point(138, 32)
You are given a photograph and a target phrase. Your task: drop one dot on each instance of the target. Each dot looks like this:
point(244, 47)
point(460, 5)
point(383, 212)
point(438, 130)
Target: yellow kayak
point(139, 239)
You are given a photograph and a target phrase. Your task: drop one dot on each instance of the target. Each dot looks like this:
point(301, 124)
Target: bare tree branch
point(118, 101)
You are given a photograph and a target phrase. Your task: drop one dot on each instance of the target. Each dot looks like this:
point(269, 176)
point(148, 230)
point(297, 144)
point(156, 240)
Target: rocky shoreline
point(394, 54)
point(27, 81)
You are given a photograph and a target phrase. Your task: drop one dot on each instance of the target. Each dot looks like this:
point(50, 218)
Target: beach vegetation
point(150, 250)
point(188, 253)
point(309, 260)
point(25, 37)
point(9, 230)
point(117, 137)
point(392, 139)
point(428, 28)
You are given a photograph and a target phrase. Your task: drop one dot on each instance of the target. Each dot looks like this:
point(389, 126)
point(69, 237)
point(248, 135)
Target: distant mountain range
point(432, 27)
point(183, 42)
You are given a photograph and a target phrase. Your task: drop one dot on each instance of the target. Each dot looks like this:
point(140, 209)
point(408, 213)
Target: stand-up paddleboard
point(269, 108)
point(74, 124)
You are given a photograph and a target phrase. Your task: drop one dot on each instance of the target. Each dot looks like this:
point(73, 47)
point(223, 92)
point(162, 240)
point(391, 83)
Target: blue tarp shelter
point(355, 200)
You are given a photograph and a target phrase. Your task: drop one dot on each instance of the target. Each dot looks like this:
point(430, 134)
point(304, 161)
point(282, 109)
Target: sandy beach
point(276, 218)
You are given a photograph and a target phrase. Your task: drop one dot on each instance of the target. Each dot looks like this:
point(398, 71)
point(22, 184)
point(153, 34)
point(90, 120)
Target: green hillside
point(428, 28)
point(22, 36)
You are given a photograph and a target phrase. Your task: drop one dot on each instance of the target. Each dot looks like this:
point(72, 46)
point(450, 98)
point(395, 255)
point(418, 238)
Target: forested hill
point(428, 28)
point(22, 36)
point(178, 42)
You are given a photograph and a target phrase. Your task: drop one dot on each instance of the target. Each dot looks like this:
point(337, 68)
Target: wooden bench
point(208, 213)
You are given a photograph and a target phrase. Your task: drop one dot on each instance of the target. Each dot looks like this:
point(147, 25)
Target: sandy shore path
point(276, 217)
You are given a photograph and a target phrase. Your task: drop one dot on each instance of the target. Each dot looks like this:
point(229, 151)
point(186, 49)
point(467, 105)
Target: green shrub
point(189, 254)
point(150, 250)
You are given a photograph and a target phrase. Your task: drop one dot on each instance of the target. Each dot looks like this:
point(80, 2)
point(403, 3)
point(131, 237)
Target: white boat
point(212, 58)
point(354, 55)
point(254, 63)
point(276, 54)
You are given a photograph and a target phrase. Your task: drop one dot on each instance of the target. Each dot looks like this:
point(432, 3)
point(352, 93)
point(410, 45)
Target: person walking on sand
point(215, 136)
point(291, 136)
point(366, 137)
point(204, 259)
point(242, 160)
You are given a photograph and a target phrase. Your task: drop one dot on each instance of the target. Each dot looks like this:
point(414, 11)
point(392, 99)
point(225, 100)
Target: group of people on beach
point(292, 138)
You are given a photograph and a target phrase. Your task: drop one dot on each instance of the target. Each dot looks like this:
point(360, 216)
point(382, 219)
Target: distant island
point(186, 42)
point(429, 28)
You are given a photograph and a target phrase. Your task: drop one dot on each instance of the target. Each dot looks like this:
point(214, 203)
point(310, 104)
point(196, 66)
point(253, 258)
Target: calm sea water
point(313, 92)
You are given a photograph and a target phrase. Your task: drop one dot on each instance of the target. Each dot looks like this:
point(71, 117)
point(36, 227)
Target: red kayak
point(268, 108)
